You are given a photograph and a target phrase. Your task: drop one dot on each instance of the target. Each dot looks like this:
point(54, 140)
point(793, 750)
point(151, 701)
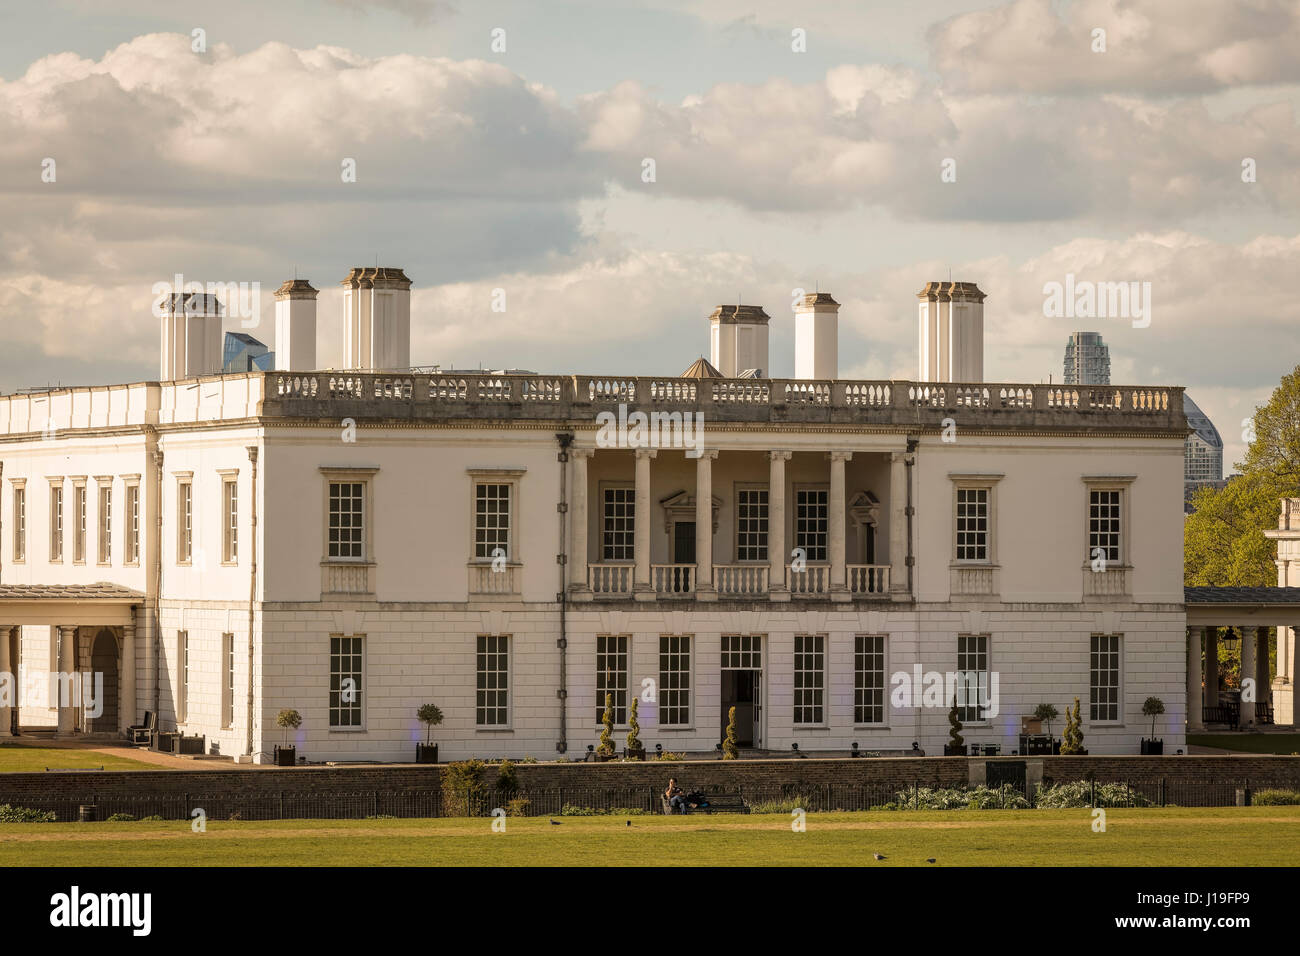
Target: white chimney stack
point(817, 337)
point(377, 320)
point(191, 335)
point(951, 322)
point(738, 340)
point(295, 326)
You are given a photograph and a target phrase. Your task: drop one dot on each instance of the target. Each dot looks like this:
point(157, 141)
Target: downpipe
point(565, 440)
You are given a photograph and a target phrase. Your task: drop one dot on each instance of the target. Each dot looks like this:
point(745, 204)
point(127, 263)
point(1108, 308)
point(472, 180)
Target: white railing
point(609, 578)
point(489, 579)
point(813, 579)
point(1110, 582)
point(673, 578)
point(868, 578)
point(741, 579)
point(341, 578)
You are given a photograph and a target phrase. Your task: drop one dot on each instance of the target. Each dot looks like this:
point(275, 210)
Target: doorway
point(103, 660)
point(742, 687)
point(683, 554)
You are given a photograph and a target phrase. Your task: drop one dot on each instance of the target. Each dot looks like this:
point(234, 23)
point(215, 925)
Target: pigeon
point(878, 856)
point(554, 823)
point(629, 822)
point(929, 860)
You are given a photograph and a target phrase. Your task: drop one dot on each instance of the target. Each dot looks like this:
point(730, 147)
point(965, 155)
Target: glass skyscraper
point(1087, 360)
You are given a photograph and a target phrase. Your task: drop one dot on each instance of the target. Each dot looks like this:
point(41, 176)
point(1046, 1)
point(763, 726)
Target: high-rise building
point(243, 353)
point(1203, 450)
point(1087, 360)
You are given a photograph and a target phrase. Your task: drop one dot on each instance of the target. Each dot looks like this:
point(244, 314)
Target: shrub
point(669, 755)
point(572, 810)
point(634, 744)
point(1276, 798)
point(121, 818)
point(730, 743)
point(462, 788)
point(1078, 794)
point(380, 816)
point(507, 780)
point(782, 805)
point(1072, 742)
point(517, 807)
point(12, 814)
point(606, 747)
point(154, 818)
point(1005, 797)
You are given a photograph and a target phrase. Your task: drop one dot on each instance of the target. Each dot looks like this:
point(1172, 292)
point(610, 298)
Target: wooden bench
point(718, 803)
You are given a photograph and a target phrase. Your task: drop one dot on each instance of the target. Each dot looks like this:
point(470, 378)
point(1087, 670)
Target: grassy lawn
point(1249, 743)
point(15, 758)
point(1150, 837)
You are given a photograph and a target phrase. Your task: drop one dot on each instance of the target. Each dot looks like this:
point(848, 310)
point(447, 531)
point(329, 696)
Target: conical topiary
point(633, 728)
point(730, 745)
point(1072, 738)
point(955, 739)
point(607, 734)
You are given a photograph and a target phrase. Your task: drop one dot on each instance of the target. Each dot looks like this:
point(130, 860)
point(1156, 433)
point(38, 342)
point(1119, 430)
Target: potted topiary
point(605, 751)
point(635, 749)
point(288, 719)
point(1153, 707)
point(956, 745)
point(1072, 742)
point(730, 743)
point(430, 716)
point(1046, 713)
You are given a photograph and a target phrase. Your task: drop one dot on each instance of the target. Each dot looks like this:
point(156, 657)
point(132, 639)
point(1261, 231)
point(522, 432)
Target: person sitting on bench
point(676, 796)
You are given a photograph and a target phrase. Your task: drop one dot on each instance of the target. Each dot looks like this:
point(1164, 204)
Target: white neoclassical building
point(818, 553)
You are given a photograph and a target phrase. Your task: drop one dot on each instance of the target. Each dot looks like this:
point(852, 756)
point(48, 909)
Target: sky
point(854, 147)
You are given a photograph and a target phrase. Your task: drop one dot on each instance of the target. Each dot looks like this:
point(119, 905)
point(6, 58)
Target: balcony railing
point(741, 580)
point(811, 579)
point(673, 580)
point(868, 578)
point(494, 580)
point(606, 580)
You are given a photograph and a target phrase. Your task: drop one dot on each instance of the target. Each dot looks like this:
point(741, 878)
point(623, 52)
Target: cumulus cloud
point(1151, 46)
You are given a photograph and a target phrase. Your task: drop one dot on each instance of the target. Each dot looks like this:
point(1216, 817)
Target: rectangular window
point(491, 519)
point(619, 527)
point(105, 524)
point(56, 522)
point(742, 652)
point(674, 680)
point(79, 552)
point(184, 522)
point(809, 678)
point(345, 681)
point(493, 660)
point(611, 675)
point(133, 524)
point(869, 679)
point(751, 524)
point(1104, 525)
point(230, 520)
point(810, 527)
point(972, 524)
point(228, 659)
point(20, 523)
point(1103, 678)
point(347, 520)
point(973, 675)
point(182, 676)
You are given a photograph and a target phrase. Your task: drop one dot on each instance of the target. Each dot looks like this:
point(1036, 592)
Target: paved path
point(141, 754)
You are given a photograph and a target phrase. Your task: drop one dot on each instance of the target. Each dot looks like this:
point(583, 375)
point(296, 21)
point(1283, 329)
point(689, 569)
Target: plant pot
point(635, 754)
point(954, 751)
point(1153, 746)
point(286, 756)
point(601, 758)
point(426, 753)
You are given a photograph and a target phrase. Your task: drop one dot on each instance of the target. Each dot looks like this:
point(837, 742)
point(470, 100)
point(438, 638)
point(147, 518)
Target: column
point(7, 673)
point(1248, 671)
point(898, 589)
point(837, 518)
point(642, 588)
point(1211, 696)
point(67, 667)
point(126, 702)
point(579, 586)
point(1194, 721)
point(704, 589)
point(1263, 681)
point(776, 549)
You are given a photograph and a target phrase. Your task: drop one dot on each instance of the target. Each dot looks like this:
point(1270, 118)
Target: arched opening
point(103, 660)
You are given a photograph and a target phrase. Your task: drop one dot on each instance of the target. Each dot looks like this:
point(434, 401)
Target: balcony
point(1109, 582)
point(673, 580)
point(489, 580)
point(741, 580)
point(610, 580)
point(738, 581)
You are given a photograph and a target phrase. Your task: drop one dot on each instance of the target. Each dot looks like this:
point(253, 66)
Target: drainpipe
point(565, 439)
point(2, 525)
point(157, 579)
point(908, 462)
point(252, 596)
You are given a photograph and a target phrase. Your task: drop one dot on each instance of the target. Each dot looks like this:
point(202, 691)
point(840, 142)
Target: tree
point(288, 719)
point(1072, 742)
point(955, 739)
point(634, 744)
point(606, 747)
point(430, 716)
point(1046, 713)
point(730, 743)
point(1153, 707)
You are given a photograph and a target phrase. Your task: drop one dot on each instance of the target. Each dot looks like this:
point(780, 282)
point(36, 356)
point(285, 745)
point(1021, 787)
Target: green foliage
point(1078, 794)
point(462, 788)
point(606, 747)
point(1005, 797)
point(730, 743)
point(1153, 707)
point(633, 727)
point(155, 818)
point(517, 806)
point(430, 715)
point(1046, 713)
point(121, 818)
point(955, 739)
point(573, 810)
point(12, 814)
point(288, 719)
point(669, 755)
point(380, 816)
point(507, 779)
point(1275, 798)
point(784, 805)
point(1072, 738)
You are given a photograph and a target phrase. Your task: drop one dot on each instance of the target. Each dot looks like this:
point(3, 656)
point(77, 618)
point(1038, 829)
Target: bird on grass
point(554, 823)
point(629, 822)
point(929, 859)
point(878, 856)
